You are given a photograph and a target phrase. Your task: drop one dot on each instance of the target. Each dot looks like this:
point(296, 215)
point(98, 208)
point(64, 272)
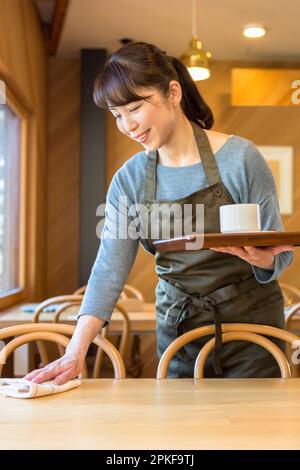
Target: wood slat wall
point(262, 125)
point(63, 172)
point(273, 87)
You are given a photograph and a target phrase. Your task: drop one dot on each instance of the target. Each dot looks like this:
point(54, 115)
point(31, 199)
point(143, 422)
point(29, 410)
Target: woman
point(155, 102)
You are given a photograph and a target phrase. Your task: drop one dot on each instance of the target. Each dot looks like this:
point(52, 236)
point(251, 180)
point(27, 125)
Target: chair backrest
point(243, 336)
point(289, 313)
point(254, 331)
point(60, 299)
point(63, 307)
point(291, 294)
point(54, 332)
point(130, 291)
point(124, 340)
point(81, 290)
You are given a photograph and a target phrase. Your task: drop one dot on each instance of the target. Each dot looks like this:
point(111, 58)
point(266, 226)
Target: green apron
point(198, 288)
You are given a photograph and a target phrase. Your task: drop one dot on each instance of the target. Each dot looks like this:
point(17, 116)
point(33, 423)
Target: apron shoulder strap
point(208, 159)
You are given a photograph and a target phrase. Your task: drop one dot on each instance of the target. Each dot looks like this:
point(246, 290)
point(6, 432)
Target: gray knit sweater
point(247, 178)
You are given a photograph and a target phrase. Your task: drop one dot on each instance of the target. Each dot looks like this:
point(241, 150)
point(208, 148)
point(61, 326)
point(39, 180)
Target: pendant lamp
point(195, 58)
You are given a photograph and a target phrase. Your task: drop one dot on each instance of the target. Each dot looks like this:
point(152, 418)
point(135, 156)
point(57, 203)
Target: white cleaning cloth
point(21, 388)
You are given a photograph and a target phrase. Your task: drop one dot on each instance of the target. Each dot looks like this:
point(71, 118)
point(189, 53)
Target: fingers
point(227, 249)
point(32, 374)
point(41, 375)
point(281, 248)
point(45, 375)
point(222, 249)
point(64, 377)
point(252, 250)
point(61, 370)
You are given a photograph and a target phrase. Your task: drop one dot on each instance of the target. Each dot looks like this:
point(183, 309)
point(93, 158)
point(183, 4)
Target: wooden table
point(152, 414)
point(143, 321)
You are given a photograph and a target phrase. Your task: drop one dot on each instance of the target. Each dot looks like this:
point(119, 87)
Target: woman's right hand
point(71, 364)
point(63, 369)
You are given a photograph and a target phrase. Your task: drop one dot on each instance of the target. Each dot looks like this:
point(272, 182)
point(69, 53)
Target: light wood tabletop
point(152, 414)
point(143, 321)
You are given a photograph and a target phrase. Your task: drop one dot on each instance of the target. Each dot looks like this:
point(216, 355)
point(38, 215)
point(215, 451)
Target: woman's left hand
point(262, 257)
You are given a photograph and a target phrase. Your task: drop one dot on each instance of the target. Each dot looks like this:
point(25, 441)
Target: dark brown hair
point(141, 65)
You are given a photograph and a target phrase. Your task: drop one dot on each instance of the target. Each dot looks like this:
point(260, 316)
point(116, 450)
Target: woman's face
point(150, 121)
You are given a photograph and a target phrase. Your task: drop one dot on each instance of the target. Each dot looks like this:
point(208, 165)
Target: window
point(9, 199)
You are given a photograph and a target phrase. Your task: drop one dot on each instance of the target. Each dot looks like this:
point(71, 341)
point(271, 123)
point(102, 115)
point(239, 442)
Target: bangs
point(115, 86)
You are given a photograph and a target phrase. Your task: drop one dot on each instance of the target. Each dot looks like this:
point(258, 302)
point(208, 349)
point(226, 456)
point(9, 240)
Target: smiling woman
point(155, 102)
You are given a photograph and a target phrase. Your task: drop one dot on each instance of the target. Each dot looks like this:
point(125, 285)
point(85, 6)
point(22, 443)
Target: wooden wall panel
point(63, 176)
point(264, 87)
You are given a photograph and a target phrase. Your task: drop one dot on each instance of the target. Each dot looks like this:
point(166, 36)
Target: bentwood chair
point(290, 313)
point(80, 291)
point(230, 332)
point(59, 334)
point(291, 294)
point(61, 299)
point(68, 301)
point(122, 347)
point(136, 366)
point(125, 336)
point(128, 291)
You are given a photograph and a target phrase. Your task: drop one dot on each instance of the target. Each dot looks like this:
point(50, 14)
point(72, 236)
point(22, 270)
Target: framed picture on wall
point(280, 161)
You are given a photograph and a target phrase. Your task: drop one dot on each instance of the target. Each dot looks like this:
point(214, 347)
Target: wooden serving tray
point(266, 238)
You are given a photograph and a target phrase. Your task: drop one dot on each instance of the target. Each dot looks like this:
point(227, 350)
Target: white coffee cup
point(240, 218)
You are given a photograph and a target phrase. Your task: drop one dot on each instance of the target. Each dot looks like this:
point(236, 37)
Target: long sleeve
point(262, 190)
point(271, 220)
point(114, 260)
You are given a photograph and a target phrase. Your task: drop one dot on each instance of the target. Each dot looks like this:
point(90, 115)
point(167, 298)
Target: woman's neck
point(181, 148)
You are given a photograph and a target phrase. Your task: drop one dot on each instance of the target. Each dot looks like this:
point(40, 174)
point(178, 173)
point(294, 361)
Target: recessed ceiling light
point(254, 31)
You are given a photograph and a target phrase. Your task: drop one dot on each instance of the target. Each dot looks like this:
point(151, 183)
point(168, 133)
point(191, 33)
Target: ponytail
point(193, 105)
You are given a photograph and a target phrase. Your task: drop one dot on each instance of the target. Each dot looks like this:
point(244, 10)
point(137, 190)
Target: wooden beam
point(59, 15)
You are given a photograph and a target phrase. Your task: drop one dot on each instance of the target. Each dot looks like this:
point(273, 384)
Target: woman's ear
point(175, 92)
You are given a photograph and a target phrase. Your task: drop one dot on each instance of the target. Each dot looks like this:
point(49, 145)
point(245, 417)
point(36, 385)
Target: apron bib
point(198, 288)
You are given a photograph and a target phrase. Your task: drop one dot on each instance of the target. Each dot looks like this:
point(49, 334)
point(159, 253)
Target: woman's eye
point(134, 109)
point(117, 116)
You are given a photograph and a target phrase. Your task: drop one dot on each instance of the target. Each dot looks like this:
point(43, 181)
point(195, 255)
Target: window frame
point(19, 294)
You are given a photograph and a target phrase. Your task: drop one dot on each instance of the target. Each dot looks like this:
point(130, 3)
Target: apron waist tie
point(191, 304)
point(187, 306)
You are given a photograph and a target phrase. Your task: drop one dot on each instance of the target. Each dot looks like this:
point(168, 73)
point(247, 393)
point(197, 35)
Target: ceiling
point(168, 24)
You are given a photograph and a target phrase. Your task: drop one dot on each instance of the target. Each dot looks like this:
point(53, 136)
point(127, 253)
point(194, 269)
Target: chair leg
point(99, 357)
point(43, 353)
point(135, 366)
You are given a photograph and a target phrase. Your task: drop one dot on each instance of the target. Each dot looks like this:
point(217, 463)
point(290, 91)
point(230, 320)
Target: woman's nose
point(129, 124)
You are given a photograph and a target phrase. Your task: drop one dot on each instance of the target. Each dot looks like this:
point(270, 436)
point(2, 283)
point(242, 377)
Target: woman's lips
point(143, 137)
